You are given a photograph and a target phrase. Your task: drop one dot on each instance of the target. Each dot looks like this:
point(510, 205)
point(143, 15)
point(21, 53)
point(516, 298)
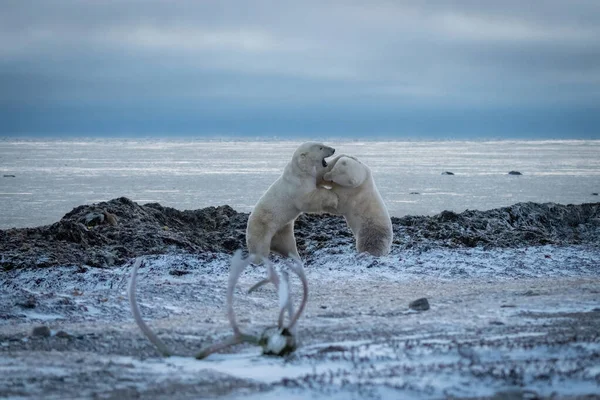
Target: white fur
point(361, 204)
point(271, 223)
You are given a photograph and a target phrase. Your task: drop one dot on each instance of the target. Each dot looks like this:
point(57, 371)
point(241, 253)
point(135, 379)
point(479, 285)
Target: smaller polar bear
point(361, 204)
point(271, 223)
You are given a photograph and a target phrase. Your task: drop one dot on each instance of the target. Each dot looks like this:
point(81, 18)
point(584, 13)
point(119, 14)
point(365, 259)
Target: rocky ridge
point(88, 236)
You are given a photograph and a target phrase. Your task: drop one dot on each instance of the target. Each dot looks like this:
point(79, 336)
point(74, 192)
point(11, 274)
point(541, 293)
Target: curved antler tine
point(235, 270)
point(232, 341)
point(258, 285)
point(272, 274)
point(296, 266)
point(238, 264)
point(271, 277)
point(290, 303)
point(285, 298)
point(138, 316)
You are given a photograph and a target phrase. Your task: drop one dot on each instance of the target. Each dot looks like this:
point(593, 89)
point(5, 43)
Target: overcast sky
point(439, 68)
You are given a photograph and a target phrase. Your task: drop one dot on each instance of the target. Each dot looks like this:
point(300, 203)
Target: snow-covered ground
point(521, 322)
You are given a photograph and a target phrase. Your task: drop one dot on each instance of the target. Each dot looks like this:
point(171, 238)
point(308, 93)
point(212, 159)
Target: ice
point(54, 176)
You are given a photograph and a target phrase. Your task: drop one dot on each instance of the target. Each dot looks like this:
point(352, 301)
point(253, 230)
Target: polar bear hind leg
point(258, 238)
point(374, 239)
point(284, 242)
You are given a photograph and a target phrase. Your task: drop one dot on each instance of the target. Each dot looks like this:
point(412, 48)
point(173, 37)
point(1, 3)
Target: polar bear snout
point(328, 151)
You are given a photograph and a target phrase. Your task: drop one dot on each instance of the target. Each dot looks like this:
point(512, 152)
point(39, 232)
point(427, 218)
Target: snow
point(439, 264)
point(500, 321)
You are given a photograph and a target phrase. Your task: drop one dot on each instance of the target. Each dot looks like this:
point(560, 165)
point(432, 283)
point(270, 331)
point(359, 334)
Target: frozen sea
point(53, 176)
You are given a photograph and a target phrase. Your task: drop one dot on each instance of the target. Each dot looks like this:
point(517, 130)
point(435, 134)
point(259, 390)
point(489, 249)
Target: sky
point(356, 69)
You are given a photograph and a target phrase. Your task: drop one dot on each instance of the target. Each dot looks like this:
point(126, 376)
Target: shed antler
point(138, 316)
point(274, 341)
point(282, 340)
point(238, 264)
point(296, 266)
point(282, 286)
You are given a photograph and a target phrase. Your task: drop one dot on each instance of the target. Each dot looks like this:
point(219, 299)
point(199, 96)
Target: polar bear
point(271, 223)
point(360, 203)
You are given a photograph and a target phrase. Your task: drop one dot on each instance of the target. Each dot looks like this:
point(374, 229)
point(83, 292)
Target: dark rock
point(447, 173)
point(415, 193)
point(63, 335)
point(421, 304)
point(9, 176)
point(594, 194)
point(28, 303)
point(469, 353)
point(448, 216)
point(469, 241)
point(93, 219)
point(232, 243)
point(332, 349)
point(41, 331)
point(110, 218)
point(178, 272)
point(515, 394)
point(515, 173)
point(530, 293)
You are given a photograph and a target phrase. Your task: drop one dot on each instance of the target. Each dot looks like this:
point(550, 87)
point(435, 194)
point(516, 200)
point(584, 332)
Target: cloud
point(188, 39)
point(436, 54)
point(493, 29)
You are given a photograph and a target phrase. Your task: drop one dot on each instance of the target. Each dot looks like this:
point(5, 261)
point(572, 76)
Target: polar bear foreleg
point(318, 201)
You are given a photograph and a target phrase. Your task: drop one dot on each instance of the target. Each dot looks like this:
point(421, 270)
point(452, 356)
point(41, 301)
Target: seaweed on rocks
point(85, 236)
point(522, 224)
point(81, 239)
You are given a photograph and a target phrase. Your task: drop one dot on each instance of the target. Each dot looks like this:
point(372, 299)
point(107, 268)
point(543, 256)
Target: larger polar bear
point(361, 204)
point(271, 223)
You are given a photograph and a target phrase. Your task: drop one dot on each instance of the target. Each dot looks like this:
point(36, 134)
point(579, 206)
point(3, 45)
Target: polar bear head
point(347, 172)
point(310, 157)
